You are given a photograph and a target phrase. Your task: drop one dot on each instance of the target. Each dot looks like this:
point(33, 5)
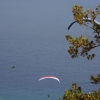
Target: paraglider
point(48, 77)
point(85, 19)
point(51, 77)
point(48, 95)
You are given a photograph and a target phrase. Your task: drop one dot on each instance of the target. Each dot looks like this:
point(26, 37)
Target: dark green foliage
point(81, 46)
point(95, 80)
point(76, 94)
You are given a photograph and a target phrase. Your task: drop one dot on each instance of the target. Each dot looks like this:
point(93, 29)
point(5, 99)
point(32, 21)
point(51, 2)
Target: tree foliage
point(82, 45)
point(95, 80)
point(75, 93)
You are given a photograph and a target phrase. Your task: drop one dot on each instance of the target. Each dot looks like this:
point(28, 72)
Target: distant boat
point(12, 67)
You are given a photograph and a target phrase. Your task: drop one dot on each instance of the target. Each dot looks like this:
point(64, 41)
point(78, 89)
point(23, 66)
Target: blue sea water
point(32, 38)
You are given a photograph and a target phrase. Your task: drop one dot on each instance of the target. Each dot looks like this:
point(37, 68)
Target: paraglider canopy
point(47, 77)
point(85, 19)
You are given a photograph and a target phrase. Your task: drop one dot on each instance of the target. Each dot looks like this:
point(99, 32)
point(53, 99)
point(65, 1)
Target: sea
point(33, 45)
